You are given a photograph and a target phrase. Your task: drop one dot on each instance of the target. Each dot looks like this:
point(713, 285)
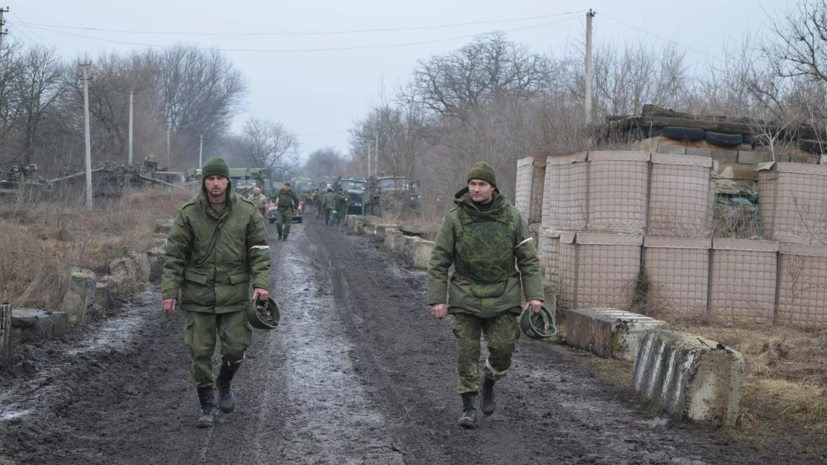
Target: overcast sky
point(319, 94)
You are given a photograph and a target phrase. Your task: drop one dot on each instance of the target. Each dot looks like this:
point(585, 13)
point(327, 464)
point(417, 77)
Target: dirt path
point(358, 373)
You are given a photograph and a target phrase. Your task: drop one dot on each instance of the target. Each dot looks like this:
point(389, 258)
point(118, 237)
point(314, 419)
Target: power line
point(329, 49)
point(27, 27)
point(357, 31)
point(659, 37)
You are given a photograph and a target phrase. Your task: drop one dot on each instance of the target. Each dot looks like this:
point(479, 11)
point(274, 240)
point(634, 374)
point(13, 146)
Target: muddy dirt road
point(358, 373)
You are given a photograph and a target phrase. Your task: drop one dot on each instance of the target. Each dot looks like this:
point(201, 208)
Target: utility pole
point(368, 160)
point(201, 151)
point(3, 23)
point(169, 130)
point(588, 106)
point(376, 137)
point(83, 66)
point(131, 103)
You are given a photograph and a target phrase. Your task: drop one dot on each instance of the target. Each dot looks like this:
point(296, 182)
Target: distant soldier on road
point(316, 199)
point(328, 203)
point(259, 200)
point(340, 206)
point(217, 248)
point(287, 201)
point(307, 202)
point(483, 237)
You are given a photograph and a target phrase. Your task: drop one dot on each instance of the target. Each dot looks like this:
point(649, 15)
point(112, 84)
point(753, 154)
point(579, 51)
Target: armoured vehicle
point(19, 177)
point(355, 188)
point(300, 184)
point(392, 192)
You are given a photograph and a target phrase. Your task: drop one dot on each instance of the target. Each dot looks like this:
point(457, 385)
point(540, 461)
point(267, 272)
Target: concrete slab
point(380, 228)
point(726, 156)
point(751, 158)
point(699, 152)
point(672, 149)
point(31, 325)
point(397, 242)
point(79, 297)
point(422, 254)
point(409, 247)
point(607, 332)
point(369, 228)
point(390, 238)
point(5, 334)
point(102, 296)
point(690, 377)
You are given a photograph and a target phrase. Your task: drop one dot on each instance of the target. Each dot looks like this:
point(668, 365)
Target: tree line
point(180, 94)
point(496, 100)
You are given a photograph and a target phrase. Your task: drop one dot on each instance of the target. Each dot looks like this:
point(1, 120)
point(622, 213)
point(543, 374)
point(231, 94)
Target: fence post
point(5, 333)
point(710, 280)
point(648, 194)
point(576, 270)
point(777, 286)
point(774, 203)
point(588, 188)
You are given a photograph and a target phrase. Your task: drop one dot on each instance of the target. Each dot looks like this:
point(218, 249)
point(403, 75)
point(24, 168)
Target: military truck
point(355, 188)
point(245, 179)
point(392, 191)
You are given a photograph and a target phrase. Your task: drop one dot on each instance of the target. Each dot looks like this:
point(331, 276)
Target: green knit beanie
point(484, 172)
point(215, 166)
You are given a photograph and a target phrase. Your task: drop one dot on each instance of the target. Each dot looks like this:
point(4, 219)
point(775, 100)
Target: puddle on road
point(332, 418)
point(113, 334)
point(8, 416)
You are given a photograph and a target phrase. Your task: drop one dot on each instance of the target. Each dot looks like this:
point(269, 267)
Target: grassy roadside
point(40, 241)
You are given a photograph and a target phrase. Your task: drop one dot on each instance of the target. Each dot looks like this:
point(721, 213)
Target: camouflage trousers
point(284, 218)
point(200, 335)
point(328, 215)
point(501, 333)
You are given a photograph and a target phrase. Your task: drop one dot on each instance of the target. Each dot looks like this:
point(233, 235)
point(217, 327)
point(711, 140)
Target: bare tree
point(325, 162)
point(267, 144)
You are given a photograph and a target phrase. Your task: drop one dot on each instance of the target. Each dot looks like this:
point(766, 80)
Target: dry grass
point(785, 382)
point(40, 240)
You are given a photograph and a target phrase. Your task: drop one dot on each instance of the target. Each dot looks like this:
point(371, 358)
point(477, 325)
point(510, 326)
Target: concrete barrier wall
point(793, 198)
point(689, 376)
point(607, 332)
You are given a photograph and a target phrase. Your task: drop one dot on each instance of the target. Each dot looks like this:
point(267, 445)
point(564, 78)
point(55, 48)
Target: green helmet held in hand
point(263, 316)
point(538, 326)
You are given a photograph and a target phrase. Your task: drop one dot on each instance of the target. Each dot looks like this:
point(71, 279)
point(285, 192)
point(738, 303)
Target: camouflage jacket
point(341, 202)
point(484, 247)
point(286, 199)
point(211, 256)
point(328, 200)
point(258, 200)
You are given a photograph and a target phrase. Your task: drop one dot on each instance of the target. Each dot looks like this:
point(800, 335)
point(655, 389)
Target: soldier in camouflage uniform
point(216, 250)
point(287, 202)
point(315, 198)
point(340, 206)
point(484, 237)
point(328, 202)
point(259, 200)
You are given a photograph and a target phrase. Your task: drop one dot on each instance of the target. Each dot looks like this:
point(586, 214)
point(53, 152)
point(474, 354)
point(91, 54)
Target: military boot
point(205, 396)
point(488, 403)
point(284, 238)
point(226, 398)
point(469, 412)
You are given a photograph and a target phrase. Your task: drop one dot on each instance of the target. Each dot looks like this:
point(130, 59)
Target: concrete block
point(380, 228)
point(122, 278)
point(31, 325)
point(409, 247)
point(672, 149)
point(79, 297)
point(102, 296)
point(607, 332)
point(5, 334)
point(422, 254)
point(369, 228)
point(699, 152)
point(725, 156)
point(143, 270)
point(752, 158)
point(690, 377)
point(397, 242)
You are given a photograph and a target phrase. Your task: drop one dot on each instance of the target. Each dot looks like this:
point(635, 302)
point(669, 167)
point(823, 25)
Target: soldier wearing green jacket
point(340, 206)
point(317, 202)
point(216, 250)
point(287, 201)
point(487, 241)
point(328, 202)
point(259, 200)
